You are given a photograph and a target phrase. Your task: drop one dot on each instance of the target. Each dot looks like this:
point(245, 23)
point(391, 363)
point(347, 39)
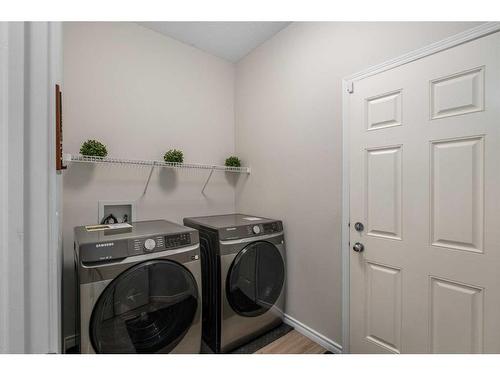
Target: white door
point(425, 184)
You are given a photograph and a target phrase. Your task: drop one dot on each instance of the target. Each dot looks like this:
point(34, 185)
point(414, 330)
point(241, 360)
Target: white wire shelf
point(151, 163)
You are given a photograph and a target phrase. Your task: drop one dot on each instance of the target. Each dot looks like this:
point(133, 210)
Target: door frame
point(347, 88)
point(30, 252)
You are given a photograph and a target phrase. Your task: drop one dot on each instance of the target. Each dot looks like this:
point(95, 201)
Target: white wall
point(142, 93)
point(288, 125)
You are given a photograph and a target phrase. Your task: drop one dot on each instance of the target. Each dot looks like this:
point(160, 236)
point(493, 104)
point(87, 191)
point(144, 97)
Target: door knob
point(359, 226)
point(358, 247)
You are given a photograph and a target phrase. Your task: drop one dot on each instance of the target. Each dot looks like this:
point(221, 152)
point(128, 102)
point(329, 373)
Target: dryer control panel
point(273, 227)
point(265, 228)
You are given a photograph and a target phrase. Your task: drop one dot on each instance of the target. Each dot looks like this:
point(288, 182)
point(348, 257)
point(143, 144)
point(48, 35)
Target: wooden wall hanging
point(59, 136)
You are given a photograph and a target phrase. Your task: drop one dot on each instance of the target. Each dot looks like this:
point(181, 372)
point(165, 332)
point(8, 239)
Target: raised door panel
point(384, 111)
point(383, 192)
point(457, 194)
point(383, 306)
point(456, 312)
point(458, 94)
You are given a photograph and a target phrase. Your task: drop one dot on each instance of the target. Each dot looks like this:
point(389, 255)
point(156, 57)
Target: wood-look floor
point(292, 343)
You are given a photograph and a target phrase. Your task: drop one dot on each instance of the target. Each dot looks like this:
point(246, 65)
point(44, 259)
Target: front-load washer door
point(147, 309)
point(255, 279)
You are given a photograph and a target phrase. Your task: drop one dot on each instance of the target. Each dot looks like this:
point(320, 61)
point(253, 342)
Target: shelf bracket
point(208, 179)
point(147, 182)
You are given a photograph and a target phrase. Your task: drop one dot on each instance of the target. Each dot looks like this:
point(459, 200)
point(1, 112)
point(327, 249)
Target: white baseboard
point(317, 337)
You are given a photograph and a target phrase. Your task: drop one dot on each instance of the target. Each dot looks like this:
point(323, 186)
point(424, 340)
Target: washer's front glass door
point(255, 279)
point(146, 309)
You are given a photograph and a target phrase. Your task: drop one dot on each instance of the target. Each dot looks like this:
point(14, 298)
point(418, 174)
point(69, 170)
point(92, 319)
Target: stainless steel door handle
point(358, 247)
point(359, 227)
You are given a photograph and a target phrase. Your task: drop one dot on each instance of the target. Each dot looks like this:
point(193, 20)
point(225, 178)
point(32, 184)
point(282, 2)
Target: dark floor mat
point(257, 343)
point(263, 340)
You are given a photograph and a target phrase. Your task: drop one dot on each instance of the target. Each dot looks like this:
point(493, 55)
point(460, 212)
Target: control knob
point(256, 229)
point(149, 244)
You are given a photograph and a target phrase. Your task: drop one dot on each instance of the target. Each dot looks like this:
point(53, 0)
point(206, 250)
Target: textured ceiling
point(228, 40)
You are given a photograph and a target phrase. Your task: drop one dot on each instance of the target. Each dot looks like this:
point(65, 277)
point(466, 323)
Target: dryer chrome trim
point(250, 239)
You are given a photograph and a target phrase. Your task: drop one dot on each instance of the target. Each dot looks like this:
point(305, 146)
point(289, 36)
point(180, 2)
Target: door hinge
point(350, 87)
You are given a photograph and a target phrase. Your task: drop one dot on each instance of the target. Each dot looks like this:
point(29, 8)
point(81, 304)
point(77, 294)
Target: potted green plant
point(92, 147)
point(174, 156)
point(233, 161)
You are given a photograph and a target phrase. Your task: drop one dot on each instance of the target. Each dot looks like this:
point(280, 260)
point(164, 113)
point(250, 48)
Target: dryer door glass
point(255, 279)
point(146, 309)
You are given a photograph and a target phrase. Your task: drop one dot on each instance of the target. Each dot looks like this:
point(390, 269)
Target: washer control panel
point(160, 243)
point(177, 240)
point(149, 244)
point(146, 238)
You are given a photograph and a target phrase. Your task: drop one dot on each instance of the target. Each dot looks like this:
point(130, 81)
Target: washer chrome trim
point(140, 258)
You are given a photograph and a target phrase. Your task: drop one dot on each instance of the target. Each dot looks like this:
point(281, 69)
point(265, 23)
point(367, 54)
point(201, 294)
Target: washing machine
point(139, 289)
point(243, 273)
